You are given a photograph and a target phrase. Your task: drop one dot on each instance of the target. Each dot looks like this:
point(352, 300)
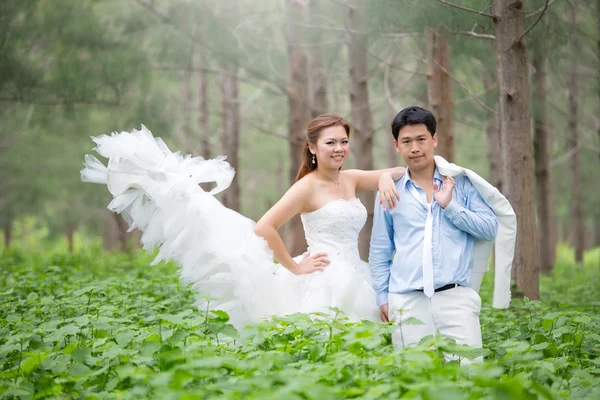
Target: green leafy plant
point(111, 326)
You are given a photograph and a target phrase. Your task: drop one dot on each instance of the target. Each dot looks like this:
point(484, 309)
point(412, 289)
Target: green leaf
point(32, 362)
point(70, 329)
point(124, 338)
point(229, 330)
point(540, 346)
point(222, 316)
point(36, 342)
point(582, 319)
point(316, 352)
point(79, 370)
point(413, 321)
point(542, 391)
point(81, 354)
point(13, 318)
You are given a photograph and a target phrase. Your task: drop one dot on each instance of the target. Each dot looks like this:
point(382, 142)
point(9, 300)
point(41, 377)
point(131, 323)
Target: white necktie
point(428, 255)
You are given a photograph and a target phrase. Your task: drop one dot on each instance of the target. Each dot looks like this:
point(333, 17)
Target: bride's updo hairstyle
point(315, 127)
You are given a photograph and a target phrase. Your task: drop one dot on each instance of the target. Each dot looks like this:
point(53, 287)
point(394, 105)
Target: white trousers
point(453, 312)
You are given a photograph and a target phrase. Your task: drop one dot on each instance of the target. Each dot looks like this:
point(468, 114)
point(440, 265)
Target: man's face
point(416, 146)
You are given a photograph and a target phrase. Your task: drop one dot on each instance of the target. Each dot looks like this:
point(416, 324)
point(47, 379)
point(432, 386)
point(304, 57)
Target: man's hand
point(384, 313)
point(444, 196)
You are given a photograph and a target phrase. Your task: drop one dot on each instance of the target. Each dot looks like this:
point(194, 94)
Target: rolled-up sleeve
point(381, 251)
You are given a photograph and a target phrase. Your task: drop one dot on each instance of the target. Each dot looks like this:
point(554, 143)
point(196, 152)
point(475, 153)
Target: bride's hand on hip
point(388, 195)
point(310, 264)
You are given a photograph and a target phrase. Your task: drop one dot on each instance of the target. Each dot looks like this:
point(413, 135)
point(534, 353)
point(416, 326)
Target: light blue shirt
point(402, 230)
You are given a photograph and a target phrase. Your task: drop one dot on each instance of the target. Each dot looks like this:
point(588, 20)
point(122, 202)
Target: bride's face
point(332, 147)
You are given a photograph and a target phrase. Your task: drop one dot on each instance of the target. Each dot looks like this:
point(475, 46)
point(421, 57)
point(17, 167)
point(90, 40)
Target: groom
point(421, 250)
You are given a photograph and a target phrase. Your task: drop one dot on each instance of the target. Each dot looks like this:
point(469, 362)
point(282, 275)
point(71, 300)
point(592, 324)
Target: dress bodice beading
point(334, 228)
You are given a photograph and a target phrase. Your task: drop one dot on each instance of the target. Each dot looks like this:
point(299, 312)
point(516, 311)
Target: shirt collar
point(436, 177)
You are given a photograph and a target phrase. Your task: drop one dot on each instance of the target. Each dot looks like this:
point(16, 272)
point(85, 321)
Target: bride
point(226, 257)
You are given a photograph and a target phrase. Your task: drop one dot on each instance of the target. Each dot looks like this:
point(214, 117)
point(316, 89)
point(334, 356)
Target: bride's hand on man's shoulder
point(310, 264)
point(388, 194)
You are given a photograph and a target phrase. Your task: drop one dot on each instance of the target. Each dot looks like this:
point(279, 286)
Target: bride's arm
point(291, 204)
point(368, 181)
point(382, 180)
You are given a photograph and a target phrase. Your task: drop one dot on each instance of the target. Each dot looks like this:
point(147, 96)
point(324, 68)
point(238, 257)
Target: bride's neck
point(328, 174)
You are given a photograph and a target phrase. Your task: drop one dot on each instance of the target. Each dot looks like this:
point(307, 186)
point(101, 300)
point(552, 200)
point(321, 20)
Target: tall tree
point(546, 216)
point(121, 232)
point(317, 73)
point(360, 109)
point(7, 229)
point(188, 133)
point(511, 64)
point(493, 134)
point(573, 140)
point(231, 131)
point(298, 104)
point(597, 224)
point(205, 148)
point(598, 83)
point(439, 89)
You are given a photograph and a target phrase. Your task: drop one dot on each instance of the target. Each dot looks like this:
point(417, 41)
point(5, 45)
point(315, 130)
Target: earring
point(314, 161)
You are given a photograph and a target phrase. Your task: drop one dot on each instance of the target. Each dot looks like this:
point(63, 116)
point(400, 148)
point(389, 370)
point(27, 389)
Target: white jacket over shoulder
point(505, 239)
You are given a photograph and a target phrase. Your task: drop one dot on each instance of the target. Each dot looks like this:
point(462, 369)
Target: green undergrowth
point(95, 325)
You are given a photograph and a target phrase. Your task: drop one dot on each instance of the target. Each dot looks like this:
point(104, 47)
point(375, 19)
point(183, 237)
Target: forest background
point(515, 86)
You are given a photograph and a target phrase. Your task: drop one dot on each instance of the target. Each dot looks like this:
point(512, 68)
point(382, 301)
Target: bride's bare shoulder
point(351, 175)
point(304, 186)
point(293, 202)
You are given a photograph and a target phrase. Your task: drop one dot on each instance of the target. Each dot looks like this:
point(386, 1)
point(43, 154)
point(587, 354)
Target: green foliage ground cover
point(100, 326)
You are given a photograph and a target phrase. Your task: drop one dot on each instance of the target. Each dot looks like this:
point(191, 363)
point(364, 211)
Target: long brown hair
point(314, 129)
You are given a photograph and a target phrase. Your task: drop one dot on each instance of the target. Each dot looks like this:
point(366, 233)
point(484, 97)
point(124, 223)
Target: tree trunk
point(393, 159)
point(110, 233)
point(439, 90)
point(8, 231)
point(205, 150)
point(317, 73)
point(494, 139)
point(299, 111)
point(597, 233)
point(70, 237)
point(284, 230)
point(546, 217)
point(567, 237)
point(494, 144)
point(231, 127)
point(121, 232)
point(573, 145)
point(511, 63)
point(597, 223)
point(135, 240)
point(188, 143)
point(360, 110)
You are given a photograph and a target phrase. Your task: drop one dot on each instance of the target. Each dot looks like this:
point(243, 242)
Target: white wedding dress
point(230, 267)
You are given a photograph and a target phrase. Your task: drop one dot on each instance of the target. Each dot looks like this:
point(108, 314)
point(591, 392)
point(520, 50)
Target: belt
point(446, 287)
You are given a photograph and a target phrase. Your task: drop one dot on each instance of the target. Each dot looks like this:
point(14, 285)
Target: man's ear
point(396, 146)
point(435, 140)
